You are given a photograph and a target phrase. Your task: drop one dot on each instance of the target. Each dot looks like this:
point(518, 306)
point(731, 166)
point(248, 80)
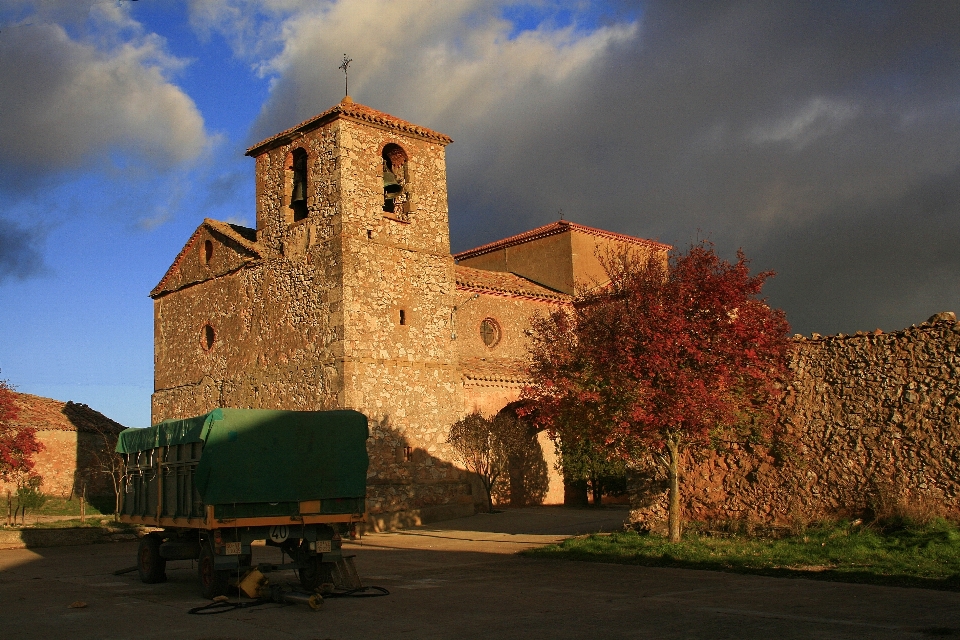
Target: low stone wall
point(36, 538)
point(870, 422)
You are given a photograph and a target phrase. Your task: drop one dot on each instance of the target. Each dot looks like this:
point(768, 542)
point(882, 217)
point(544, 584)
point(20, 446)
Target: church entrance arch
point(530, 460)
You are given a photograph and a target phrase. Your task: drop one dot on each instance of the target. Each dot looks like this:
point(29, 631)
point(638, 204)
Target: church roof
point(353, 111)
point(47, 414)
point(500, 283)
point(554, 228)
point(243, 236)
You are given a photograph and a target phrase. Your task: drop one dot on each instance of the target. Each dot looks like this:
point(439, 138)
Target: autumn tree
point(666, 357)
point(17, 444)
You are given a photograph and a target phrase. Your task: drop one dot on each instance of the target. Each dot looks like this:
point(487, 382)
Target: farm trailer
point(218, 482)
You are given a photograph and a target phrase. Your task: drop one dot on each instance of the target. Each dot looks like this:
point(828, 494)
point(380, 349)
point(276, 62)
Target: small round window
point(490, 332)
point(207, 337)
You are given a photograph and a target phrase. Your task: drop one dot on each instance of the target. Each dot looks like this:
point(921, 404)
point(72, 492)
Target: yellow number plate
point(233, 549)
point(323, 546)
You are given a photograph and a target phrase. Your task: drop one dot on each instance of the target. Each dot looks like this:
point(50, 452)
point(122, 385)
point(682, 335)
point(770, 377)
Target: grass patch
point(897, 553)
point(74, 523)
point(55, 506)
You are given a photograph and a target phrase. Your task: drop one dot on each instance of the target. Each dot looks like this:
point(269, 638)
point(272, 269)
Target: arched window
point(298, 193)
point(394, 179)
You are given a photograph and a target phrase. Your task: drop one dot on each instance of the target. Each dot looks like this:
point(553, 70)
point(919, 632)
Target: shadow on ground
point(539, 521)
point(951, 583)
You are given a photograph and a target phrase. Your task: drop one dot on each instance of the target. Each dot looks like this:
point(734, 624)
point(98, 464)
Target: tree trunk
point(117, 492)
point(597, 491)
point(575, 493)
point(488, 487)
point(673, 446)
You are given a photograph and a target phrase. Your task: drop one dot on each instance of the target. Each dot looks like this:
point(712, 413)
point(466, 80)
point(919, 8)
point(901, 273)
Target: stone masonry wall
point(312, 321)
point(401, 371)
point(870, 421)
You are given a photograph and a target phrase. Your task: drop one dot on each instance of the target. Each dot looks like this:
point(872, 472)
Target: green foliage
point(29, 496)
point(583, 460)
point(906, 554)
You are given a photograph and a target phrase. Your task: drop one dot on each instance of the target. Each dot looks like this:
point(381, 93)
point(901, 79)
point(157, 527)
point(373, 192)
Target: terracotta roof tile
point(47, 414)
point(554, 228)
point(499, 282)
point(353, 111)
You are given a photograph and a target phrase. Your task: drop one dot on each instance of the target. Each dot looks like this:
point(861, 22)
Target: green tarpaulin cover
point(258, 455)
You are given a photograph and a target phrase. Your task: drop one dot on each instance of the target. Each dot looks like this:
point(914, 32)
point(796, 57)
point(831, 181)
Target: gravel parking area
point(462, 579)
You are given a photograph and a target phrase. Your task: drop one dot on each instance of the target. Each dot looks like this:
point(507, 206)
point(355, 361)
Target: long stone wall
point(869, 421)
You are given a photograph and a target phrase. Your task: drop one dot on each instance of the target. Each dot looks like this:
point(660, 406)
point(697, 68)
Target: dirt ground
point(462, 579)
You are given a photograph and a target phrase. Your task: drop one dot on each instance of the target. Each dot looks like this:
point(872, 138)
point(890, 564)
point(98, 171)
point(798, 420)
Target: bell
point(390, 184)
point(298, 192)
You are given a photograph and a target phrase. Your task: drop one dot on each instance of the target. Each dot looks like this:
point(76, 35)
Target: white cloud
point(445, 62)
point(68, 100)
point(818, 117)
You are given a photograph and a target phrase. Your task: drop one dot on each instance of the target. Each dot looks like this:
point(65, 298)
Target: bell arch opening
point(296, 170)
point(395, 196)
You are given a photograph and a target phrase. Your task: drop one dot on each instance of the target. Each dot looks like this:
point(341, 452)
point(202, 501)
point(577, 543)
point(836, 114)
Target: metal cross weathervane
point(346, 78)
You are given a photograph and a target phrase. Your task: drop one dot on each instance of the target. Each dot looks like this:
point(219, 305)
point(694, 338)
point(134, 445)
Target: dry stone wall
point(869, 421)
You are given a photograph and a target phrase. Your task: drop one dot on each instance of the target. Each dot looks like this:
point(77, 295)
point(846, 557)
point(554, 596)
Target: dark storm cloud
point(822, 138)
point(872, 265)
point(20, 251)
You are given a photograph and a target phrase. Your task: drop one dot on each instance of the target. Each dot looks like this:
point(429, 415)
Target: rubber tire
point(213, 583)
point(151, 567)
point(311, 576)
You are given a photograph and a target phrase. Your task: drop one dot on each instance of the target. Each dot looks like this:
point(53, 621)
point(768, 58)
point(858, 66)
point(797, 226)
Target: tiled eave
point(561, 226)
point(504, 284)
point(351, 111)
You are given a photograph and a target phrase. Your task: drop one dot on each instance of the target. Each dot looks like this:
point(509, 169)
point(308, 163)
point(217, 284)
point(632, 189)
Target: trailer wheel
point(213, 583)
point(151, 567)
point(311, 574)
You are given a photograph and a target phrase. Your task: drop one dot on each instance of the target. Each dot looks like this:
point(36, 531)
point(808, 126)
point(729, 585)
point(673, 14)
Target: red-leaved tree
point(663, 358)
point(17, 444)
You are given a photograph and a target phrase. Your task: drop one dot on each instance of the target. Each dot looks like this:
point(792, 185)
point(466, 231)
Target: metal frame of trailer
point(218, 482)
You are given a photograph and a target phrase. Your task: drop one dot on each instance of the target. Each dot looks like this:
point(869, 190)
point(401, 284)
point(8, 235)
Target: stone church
point(346, 295)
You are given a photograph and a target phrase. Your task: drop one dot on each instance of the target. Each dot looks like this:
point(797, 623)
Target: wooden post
point(83, 504)
point(9, 507)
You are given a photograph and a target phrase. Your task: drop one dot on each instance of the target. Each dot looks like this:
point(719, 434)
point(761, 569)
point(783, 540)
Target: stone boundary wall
point(870, 422)
point(28, 538)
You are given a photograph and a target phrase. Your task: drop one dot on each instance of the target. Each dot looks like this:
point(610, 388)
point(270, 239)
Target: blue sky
point(823, 138)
